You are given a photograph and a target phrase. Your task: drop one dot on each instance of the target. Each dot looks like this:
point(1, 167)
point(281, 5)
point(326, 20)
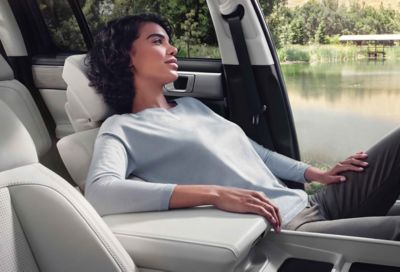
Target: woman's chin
point(171, 77)
point(174, 76)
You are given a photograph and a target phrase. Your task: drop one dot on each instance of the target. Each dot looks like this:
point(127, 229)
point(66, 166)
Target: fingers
point(336, 179)
point(359, 155)
point(261, 196)
point(353, 163)
point(350, 164)
point(261, 200)
point(247, 201)
point(267, 213)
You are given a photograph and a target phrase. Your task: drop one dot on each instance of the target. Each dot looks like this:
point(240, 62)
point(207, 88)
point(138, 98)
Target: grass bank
point(196, 51)
point(329, 53)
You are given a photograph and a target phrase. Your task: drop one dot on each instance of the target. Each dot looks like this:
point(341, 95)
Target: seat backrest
point(18, 98)
point(85, 108)
point(45, 224)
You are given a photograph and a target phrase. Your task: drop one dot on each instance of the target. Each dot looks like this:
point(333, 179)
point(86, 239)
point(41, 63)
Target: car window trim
point(82, 23)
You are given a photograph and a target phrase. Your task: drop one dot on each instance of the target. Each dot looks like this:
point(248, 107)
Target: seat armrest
point(197, 239)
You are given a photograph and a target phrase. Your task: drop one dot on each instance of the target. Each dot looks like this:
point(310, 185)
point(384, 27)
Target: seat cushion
point(76, 151)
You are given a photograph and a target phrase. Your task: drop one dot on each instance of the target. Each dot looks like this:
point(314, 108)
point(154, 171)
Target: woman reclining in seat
point(190, 156)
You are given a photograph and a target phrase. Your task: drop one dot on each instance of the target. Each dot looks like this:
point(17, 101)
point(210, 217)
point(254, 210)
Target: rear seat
point(18, 98)
point(86, 110)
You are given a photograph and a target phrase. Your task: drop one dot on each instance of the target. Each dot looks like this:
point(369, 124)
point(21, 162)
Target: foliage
point(62, 25)
point(190, 19)
point(191, 33)
point(293, 54)
point(277, 23)
point(332, 39)
point(316, 21)
point(313, 187)
point(320, 36)
point(329, 53)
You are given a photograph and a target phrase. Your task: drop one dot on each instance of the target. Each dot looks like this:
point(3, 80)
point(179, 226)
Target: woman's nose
point(173, 50)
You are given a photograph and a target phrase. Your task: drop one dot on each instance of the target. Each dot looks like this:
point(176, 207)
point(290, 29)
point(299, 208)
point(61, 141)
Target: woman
point(190, 156)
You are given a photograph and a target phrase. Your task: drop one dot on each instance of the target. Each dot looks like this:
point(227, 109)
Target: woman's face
point(153, 57)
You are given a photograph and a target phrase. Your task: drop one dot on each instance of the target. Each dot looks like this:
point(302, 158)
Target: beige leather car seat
point(45, 224)
point(86, 110)
point(18, 98)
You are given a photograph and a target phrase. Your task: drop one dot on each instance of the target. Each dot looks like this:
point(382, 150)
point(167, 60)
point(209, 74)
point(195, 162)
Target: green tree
point(278, 24)
point(297, 32)
point(62, 25)
point(192, 33)
point(320, 36)
point(268, 6)
point(332, 5)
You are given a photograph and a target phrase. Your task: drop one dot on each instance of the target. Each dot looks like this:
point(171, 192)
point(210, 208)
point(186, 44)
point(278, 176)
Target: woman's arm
point(293, 170)
point(280, 165)
point(107, 188)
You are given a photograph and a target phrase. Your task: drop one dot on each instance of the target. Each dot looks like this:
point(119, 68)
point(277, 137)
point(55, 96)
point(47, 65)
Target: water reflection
point(342, 108)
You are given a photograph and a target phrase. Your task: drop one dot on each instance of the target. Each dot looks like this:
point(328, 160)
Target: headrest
point(85, 107)
point(6, 73)
point(16, 145)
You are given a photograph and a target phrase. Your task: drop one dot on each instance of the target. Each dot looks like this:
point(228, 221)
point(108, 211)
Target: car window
point(343, 94)
point(191, 21)
point(194, 34)
point(62, 25)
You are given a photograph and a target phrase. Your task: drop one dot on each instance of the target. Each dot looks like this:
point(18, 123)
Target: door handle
point(184, 84)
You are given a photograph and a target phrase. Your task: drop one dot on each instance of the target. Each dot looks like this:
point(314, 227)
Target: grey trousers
point(363, 205)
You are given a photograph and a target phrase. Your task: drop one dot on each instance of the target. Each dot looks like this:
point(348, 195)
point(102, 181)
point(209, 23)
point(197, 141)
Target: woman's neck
point(145, 100)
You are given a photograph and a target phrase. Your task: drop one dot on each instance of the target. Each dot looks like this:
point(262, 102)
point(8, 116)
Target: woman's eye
point(158, 41)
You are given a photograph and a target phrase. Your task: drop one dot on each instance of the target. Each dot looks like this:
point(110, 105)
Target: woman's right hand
point(247, 201)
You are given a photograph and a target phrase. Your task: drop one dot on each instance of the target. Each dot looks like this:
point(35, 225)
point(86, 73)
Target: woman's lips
point(172, 63)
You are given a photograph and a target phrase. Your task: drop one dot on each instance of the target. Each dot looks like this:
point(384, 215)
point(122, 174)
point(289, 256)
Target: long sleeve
point(280, 165)
point(108, 189)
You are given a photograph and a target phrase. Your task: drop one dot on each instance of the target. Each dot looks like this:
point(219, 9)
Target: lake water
point(342, 108)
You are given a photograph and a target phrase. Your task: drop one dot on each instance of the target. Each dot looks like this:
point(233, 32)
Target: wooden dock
point(375, 44)
point(376, 51)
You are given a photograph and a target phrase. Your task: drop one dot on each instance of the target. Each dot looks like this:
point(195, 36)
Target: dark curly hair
point(109, 60)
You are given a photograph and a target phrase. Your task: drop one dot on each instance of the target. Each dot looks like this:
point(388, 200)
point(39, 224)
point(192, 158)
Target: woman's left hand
point(354, 163)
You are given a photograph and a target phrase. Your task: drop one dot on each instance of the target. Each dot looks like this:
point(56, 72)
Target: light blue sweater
point(187, 144)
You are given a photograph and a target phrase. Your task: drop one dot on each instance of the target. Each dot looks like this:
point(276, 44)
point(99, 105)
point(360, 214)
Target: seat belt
point(257, 109)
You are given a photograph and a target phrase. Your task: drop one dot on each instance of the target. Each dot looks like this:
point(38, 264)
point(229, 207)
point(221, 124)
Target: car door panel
point(48, 81)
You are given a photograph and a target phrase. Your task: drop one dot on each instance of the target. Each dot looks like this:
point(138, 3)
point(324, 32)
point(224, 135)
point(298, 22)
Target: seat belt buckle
point(256, 117)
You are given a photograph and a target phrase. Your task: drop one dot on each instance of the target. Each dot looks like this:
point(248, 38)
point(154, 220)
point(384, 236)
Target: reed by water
point(330, 53)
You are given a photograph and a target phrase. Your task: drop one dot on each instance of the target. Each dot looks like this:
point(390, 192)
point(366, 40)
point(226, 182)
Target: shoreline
point(331, 53)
